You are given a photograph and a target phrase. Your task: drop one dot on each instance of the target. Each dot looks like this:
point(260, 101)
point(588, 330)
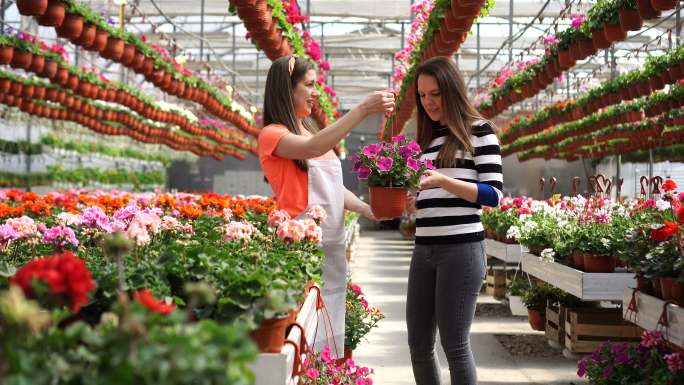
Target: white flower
point(529, 226)
point(513, 233)
point(649, 256)
point(662, 205)
point(605, 242)
point(547, 255)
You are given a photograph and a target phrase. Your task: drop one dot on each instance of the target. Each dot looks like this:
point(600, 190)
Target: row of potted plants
point(271, 26)
point(103, 118)
point(25, 52)
point(595, 234)
point(256, 259)
point(649, 134)
point(83, 177)
point(82, 26)
point(658, 71)
point(656, 104)
point(606, 22)
point(89, 147)
point(443, 32)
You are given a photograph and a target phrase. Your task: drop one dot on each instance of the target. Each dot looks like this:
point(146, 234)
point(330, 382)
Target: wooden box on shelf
point(585, 286)
point(555, 324)
point(496, 282)
point(648, 312)
point(506, 252)
point(587, 328)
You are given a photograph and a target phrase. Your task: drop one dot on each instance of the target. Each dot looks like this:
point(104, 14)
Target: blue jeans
point(444, 283)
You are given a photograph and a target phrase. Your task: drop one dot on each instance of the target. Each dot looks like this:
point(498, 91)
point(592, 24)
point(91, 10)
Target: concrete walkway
point(380, 266)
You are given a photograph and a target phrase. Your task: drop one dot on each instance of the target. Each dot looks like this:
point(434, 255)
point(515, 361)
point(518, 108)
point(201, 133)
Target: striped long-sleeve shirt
point(443, 218)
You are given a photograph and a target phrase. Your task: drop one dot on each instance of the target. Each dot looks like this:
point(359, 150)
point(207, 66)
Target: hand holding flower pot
point(391, 168)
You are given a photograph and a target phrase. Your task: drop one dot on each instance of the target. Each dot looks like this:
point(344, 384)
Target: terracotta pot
point(598, 264)
point(21, 59)
point(83, 89)
point(657, 288)
point(537, 320)
point(5, 85)
point(599, 38)
point(630, 19)
point(27, 91)
point(575, 52)
point(587, 47)
point(50, 69)
point(52, 94)
point(148, 66)
point(663, 5)
point(657, 83)
point(565, 60)
point(644, 285)
point(87, 37)
point(6, 54)
point(53, 15)
point(647, 11)
point(72, 83)
point(61, 77)
point(32, 7)
point(676, 72)
point(667, 288)
point(37, 64)
point(614, 32)
point(72, 26)
point(114, 49)
point(100, 41)
point(138, 61)
point(578, 259)
point(128, 55)
point(387, 202)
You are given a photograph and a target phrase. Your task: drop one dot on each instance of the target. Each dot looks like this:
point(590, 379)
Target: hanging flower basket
point(387, 202)
point(50, 69)
point(71, 27)
point(646, 10)
point(87, 37)
point(32, 7)
point(614, 32)
point(565, 60)
point(53, 15)
point(599, 38)
point(663, 5)
point(37, 64)
point(587, 47)
point(21, 59)
point(100, 41)
point(114, 49)
point(6, 54)
point(574, 50)
point(630, 19)
point(517, 306)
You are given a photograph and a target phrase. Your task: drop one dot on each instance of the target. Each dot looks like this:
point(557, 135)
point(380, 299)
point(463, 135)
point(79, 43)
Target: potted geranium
point(535, 298)
point(360, 318)
point(391, 169)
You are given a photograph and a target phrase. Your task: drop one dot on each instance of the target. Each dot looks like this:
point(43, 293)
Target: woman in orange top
point(302, 169)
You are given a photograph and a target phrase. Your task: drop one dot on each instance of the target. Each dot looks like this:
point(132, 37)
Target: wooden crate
point(555, 324)
point(586, 329)
point(496, 283)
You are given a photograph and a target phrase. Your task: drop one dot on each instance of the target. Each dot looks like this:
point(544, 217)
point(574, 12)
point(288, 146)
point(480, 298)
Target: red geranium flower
point(145, 298)
point(665, 232)
point(680, 214)
point(669, 185)
point(66, 276)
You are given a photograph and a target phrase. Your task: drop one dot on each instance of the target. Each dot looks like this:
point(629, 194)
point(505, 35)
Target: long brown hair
point(458, 111)
point(278, 100)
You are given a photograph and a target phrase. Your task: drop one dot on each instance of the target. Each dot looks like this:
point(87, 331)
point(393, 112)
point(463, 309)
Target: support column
point(257, 79)
point(234, 58)
point(510, 31)
point(201, 53)
point(477, 71)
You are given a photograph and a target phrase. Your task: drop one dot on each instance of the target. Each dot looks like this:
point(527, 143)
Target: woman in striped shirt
point(449, 262)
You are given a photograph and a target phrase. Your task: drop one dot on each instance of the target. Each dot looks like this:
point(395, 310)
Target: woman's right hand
point(379, 102)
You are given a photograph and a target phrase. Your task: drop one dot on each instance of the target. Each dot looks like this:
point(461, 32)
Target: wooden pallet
point(586, 329)
point(496, 283)
point(555, 324)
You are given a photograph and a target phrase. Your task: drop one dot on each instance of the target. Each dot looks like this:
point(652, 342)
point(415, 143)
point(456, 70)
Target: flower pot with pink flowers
point(391, 169)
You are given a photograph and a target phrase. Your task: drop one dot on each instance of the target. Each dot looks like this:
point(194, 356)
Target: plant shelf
point(649, 310)
point(509, 253)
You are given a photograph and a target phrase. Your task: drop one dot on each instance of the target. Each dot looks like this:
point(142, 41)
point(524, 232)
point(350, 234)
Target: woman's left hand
point(431, 179)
